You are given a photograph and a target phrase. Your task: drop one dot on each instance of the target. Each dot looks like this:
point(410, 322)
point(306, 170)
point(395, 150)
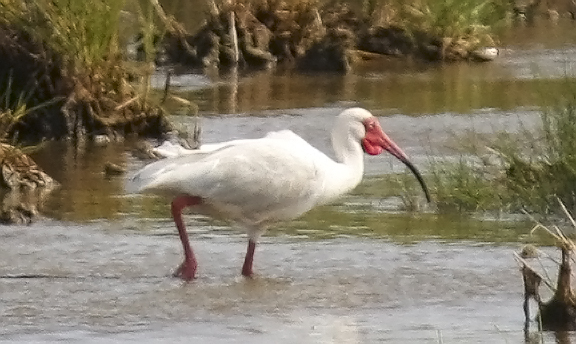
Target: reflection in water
point(517, 79)
point(455, 88)
point(562, 337)
point(540, 33)
point(85, 193)
point(536, 50)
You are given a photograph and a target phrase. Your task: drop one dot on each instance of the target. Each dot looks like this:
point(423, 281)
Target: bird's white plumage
point(170, 150)
point(256, 182)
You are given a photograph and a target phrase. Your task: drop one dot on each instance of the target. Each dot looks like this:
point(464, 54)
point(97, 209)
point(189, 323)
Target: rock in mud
point(112, 169)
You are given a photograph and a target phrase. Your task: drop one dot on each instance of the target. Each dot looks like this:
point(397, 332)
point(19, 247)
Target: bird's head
point(374, 141)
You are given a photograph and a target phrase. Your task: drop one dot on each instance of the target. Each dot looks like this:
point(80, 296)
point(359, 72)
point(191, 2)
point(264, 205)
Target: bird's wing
point(169, 150)
point(149, 174)
point(257, 178)
point(288, 135)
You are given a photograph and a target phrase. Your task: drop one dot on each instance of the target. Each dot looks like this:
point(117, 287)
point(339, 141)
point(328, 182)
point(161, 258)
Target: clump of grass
point(13, 106)
point(514, 172)
point(548, 168)
point(453, 18)
point(70, 51)
point(456, 27)
point(85, 35)
point(464, 186)
point(440, 18)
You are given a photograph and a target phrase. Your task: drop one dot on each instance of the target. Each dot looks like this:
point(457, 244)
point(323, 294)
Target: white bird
point(258, 182)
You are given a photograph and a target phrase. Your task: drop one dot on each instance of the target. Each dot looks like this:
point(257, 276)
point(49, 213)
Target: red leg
point(247, 267)
point(187, 270)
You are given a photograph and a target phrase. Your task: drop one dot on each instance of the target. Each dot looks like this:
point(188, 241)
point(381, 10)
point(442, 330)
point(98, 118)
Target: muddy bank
point(48, 93)
point(305, 35)
point(334, 35)
point(44, 98)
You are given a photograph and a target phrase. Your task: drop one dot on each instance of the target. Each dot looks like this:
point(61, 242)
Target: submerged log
point(112, 169)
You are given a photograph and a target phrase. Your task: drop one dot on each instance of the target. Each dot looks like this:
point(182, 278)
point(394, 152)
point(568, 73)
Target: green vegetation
point(464, 186)
point(66, 58)
point(13, 108)
point(513, 172)
point(454, 19)
point(74, 51)
point(84, 35)
point(457, 25)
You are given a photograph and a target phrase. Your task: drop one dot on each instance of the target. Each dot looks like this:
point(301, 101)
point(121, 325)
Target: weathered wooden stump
point(558, 313)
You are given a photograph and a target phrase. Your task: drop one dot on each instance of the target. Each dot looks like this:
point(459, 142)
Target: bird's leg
point(247, 267)
point(187, 270)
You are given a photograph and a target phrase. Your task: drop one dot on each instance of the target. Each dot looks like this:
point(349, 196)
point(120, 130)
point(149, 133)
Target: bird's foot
point(186, 271)
point(248, 273)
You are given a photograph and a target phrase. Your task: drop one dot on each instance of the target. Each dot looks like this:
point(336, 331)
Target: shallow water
point(97, 268)
point(97, 283)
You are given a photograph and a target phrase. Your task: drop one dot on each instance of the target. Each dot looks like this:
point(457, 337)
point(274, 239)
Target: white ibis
point(258, 182)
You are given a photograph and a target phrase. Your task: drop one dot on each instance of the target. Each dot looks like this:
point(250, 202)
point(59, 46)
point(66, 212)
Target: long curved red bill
point(377, 141)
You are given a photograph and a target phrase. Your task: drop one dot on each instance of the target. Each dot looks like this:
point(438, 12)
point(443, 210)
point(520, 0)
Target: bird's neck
point(349, 168)
point(348, 150)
